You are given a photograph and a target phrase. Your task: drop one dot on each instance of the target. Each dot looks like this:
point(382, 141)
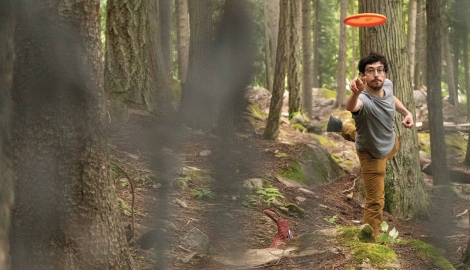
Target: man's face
point(374, 75)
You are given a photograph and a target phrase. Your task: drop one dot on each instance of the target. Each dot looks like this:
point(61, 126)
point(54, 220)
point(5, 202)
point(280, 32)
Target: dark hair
point(370, 59)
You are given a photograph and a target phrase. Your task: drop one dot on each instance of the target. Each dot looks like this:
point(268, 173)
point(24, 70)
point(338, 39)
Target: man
point(373, 109)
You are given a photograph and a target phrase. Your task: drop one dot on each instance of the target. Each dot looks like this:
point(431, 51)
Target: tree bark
point(412, 9)
point(166, 45)
point(271, 131)
point(405, 194)
point(135, 71)
point(447, 54)
point(434, 75)
point(316, 44)
point(182, 38)
point(341, 75)
point(197, 103)
point(420, 58)
point(65, 214)
point(307, 57)
point(7, 59)
point(353, 67)
point(293, 71)
point(233, 73)
point(126, 60)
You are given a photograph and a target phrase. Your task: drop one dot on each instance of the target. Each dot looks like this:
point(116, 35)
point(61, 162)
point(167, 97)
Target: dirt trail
point(158, 150)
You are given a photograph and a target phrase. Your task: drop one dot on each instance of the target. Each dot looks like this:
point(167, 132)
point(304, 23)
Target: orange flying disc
point(365, 19)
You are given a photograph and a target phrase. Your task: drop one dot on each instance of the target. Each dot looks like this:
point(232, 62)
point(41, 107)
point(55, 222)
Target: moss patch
point(456, 144)
point(298, 127)
point(324, 141)
point(424, 142)
point(431, 253)
point(254, 109)
point(294, 172)
point(378, 255)
point(326, 93)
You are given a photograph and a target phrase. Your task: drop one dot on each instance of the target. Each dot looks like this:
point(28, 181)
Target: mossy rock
point(431, 253)
point(316, 167)
point(379, 256)
point(326, 93)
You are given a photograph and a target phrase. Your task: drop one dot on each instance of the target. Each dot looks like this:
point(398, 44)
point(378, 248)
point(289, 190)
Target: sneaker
point(366, 234)
point(334, 125)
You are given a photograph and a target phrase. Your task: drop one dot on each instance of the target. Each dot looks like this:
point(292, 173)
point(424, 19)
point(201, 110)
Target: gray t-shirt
point(374, 122)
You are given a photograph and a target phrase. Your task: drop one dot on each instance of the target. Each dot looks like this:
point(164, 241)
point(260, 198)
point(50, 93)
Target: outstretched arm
point(400, 108)
point(353, 103)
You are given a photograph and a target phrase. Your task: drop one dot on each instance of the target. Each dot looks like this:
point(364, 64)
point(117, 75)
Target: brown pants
point(373, 175)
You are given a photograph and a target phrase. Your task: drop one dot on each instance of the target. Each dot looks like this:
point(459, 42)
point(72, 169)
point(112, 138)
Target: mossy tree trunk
point(405, 193)
point(7, 56)
point(65, 214)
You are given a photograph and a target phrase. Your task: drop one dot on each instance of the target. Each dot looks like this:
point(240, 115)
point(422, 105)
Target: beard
point(375, 85)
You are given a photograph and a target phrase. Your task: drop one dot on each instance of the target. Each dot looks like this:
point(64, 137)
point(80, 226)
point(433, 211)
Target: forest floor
point(148, 149)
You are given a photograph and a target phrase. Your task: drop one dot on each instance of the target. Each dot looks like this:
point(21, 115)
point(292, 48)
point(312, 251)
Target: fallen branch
point(463, 213)
point(354, 184)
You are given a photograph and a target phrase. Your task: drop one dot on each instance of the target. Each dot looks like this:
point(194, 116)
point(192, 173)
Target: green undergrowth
point(431, 253)
point(378, 255)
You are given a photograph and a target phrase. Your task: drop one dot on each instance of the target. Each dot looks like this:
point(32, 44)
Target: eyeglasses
point(372, 71)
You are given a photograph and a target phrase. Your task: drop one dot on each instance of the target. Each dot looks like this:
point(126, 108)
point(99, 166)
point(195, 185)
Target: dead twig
point(463, 213)
point(354, 184)
point(131, 182)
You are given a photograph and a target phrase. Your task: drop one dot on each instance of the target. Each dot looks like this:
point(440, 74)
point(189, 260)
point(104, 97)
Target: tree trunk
point(272, 126)
point(7, 59)
point(134, 69)
point(293, 71)
point(307, 57)
point(165, 24)
point(233, 73)
point(420, 59)
point(66, 214)
point(412, 9)
point(456, 37)
point(267, 48)
point(271, 24)
point(341, 75)
point(353, 67)
point(197, 104)
point(447, 54)
point(465, 61)
point(316, 44)
point(434, 74)
point(405, 194)
point(182, 38)
point(125, 60)
point(466, 256)
point(158, 95)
